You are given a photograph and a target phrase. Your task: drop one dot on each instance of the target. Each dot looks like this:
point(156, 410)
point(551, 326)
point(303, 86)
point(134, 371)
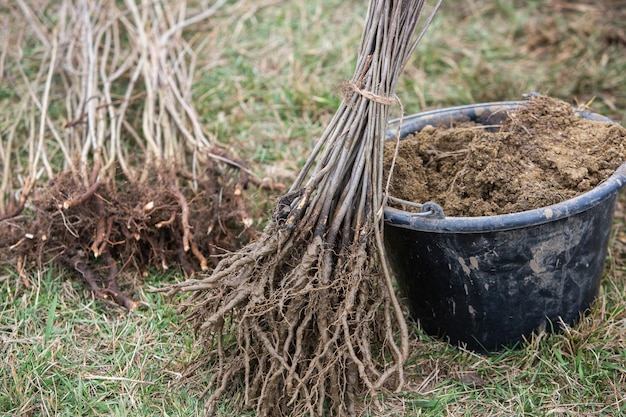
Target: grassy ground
point(265, 88)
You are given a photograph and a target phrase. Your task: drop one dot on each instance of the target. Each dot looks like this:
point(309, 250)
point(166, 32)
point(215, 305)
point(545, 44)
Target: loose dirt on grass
point(541, 155)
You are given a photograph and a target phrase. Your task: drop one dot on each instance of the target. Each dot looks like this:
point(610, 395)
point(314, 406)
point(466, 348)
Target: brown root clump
point(103, 228)
point(305, 320)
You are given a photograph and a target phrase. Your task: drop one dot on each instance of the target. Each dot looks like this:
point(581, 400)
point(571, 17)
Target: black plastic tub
point(489, 282)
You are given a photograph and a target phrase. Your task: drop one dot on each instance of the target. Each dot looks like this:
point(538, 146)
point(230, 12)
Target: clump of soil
point(542, 154)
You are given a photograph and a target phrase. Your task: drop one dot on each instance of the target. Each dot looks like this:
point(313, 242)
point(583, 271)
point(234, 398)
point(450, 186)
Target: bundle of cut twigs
point(306, 316)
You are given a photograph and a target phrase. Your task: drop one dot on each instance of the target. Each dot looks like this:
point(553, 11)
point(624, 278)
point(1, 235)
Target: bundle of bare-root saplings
point(305, 318)
point(105, 164)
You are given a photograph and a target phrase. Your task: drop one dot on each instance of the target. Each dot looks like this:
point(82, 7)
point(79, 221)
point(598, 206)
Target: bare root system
point(312, 328)
point(98, 229)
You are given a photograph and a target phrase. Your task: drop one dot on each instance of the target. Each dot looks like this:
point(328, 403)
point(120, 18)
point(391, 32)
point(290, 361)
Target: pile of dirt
point(542, 154)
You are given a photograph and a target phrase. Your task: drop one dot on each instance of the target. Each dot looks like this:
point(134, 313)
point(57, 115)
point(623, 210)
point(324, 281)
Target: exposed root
point(184, 218)
point(80, 199)
point(15, 210)
point(313, 328)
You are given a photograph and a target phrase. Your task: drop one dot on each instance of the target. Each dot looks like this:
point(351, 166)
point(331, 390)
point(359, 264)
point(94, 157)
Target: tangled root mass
point(99, 228)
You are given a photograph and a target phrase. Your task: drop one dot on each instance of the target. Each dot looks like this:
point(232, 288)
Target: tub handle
point(428, 209)
point(433, 209)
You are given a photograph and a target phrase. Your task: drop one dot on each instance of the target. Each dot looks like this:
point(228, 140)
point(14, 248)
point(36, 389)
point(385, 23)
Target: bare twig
point(191, 21)
point(34, 23)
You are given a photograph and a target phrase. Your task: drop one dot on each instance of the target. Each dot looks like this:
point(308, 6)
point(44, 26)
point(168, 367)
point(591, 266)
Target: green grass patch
point(67, 355)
